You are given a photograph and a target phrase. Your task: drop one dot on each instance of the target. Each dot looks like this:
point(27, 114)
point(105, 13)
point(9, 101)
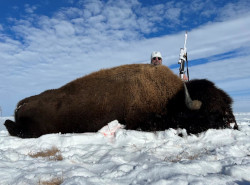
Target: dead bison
point(140, 96)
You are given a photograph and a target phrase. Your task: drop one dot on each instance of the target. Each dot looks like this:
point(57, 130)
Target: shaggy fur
point(140, 96)
point(215, 112)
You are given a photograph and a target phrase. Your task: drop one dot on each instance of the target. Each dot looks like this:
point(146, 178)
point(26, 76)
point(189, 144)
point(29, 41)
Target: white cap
point(155, 54)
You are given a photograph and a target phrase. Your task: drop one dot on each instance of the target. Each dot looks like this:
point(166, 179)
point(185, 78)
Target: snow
point(129, 157)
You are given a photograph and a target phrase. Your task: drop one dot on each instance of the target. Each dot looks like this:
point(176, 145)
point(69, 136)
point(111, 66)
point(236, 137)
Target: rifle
point(183, 60)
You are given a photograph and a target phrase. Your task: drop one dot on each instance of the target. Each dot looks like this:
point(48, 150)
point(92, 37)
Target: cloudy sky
point(47, 43)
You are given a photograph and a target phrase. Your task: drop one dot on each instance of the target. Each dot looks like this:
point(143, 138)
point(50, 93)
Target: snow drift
point(130, 157)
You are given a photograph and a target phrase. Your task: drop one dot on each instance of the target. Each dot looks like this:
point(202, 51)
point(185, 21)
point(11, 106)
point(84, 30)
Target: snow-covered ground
point(129, 157)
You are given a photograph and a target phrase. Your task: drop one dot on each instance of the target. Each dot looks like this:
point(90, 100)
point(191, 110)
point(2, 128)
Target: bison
point(140, 96)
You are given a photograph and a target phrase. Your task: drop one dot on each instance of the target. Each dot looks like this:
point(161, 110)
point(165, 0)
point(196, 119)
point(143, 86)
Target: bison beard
point(140, 96)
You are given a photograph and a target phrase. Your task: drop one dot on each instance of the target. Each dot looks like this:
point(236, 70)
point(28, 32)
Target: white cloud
point(93, 8)
point(234, 9)
point(29, 9)
point(220, 37)
point(173, 14)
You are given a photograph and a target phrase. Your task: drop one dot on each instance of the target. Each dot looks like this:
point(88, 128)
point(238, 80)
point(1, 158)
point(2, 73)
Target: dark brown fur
point(140, 96)
point(126, 93)
point(215, 112)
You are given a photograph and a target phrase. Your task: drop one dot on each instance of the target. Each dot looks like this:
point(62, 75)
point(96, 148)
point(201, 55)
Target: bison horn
point(191, 104)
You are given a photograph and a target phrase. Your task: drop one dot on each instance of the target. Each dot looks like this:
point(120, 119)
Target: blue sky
point(47, 43)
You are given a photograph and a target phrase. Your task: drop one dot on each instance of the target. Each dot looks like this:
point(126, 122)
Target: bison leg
point(13, 128)
point(23, 130)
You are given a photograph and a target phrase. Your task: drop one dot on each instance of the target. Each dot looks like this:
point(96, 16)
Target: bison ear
point(191, 104)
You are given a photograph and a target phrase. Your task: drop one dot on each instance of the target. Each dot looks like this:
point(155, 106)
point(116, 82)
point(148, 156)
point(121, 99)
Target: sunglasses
point(154, 58)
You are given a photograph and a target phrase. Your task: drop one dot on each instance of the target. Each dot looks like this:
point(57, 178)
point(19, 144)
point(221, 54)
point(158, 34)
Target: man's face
point(156, 61)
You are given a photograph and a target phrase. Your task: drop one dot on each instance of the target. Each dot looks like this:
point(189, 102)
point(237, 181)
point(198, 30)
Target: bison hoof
point(12, 127)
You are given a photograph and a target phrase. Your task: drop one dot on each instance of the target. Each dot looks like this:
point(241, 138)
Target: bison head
point(214, 112)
